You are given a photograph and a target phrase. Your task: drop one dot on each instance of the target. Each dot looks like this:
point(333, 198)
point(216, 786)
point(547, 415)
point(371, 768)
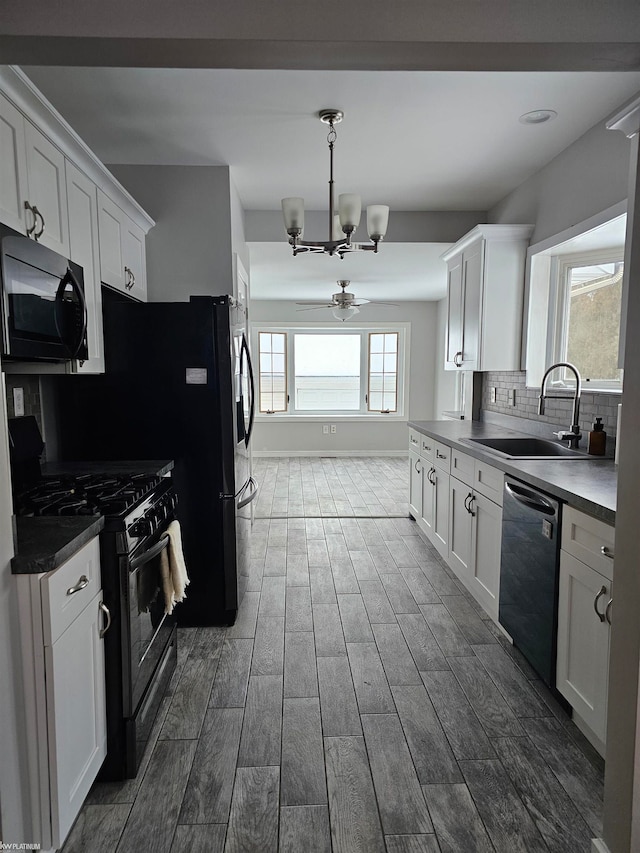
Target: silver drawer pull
point(106, 612)
point(441, 455)
point(607, 611)
point(84, 581)
point(603, 591)
point(606, 552)
point(416, 466)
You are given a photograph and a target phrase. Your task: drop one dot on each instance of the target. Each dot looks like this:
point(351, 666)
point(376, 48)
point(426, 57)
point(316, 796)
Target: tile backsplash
point(557, 412)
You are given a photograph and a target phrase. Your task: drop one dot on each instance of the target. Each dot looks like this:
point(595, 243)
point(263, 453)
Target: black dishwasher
point(529, 567)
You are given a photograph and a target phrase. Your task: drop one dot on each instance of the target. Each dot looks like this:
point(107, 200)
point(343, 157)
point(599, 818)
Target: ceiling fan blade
point(311, 302)
point(389, 304)
point(314, 308)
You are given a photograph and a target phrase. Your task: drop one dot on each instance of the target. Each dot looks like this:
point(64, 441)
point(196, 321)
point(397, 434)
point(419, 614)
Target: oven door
point(149, 626)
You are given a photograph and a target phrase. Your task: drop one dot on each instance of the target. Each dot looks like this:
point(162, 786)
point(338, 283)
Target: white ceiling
point(413, 140)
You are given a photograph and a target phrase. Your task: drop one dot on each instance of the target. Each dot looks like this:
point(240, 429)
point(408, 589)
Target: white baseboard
point(329, 453)
point(598, 846)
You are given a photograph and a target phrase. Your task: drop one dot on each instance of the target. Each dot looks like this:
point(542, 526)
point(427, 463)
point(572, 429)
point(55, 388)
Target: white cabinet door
point(134, 258)
point(13, 168)
point(110, 223)
point(453, 355)
point(47, 190)
point(84, 250)
point(440, 532)
point(428, 498)
point(76, 718)
point(460, 529)
point(484, 575)
point(471, 305)
point(415, 485)
point(583, 641)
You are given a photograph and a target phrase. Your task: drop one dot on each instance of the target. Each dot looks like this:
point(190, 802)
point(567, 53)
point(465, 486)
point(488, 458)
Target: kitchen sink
point(528, 448)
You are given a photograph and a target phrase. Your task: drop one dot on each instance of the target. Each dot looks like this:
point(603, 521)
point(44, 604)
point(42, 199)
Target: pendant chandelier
point(341, 224)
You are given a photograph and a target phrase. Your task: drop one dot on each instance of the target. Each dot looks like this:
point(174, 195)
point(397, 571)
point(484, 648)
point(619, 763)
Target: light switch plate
point(18, 402)
point(325, 429)
point(493, 394)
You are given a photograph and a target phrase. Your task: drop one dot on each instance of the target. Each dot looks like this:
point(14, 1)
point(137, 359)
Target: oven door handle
point(252, 496)
point(149, 554)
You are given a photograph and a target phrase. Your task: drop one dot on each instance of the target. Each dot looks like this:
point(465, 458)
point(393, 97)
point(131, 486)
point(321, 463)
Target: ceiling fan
point(343, 304)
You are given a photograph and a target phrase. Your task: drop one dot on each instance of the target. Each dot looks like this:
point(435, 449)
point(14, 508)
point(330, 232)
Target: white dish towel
point(173, 568)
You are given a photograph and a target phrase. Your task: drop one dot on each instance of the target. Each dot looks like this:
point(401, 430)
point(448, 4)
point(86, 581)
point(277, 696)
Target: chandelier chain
point(332, 135)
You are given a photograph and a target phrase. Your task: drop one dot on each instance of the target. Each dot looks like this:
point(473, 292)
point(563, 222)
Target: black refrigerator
point(178, 384)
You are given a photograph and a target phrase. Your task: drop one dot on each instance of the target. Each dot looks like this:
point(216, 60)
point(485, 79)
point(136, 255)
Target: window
point(314, 370)
point(589, 294)
point(272, 348)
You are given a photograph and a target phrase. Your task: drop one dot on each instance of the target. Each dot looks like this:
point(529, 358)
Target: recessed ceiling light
point(537, 116)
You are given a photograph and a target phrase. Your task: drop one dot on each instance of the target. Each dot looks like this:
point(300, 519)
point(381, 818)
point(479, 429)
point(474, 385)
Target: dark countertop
point(587, 484)
point(152, 467)
point(46, 542)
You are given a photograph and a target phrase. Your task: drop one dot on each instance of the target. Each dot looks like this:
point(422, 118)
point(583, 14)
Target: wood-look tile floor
point(312, 486)
point(362, 703)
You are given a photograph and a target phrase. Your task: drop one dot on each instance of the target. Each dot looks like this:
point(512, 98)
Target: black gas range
point(141, 643)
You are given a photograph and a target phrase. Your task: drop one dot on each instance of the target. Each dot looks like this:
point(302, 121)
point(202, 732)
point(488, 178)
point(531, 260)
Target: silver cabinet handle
point(82, 582)
point(426, 447)
point(39, 233)
point(106, 612)
point(33, 210)
point(131, 279)
point(416, 466)
point(606, 552)
point(432, 471)
point(603, 591)
point(607, 610)
point(441, 455)
point(455, 359)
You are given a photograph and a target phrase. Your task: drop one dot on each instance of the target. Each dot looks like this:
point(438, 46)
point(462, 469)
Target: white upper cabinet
point(13, 167)
point(122, 251)
point(485, 294)
point(84, 250)
point(47, 193)
point(42, 195)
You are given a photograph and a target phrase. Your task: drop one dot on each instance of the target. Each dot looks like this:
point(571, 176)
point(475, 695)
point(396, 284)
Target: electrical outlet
point(493, 395)
point(333, 429)
point(18, 402)
point(514, 397)
point(325, 429)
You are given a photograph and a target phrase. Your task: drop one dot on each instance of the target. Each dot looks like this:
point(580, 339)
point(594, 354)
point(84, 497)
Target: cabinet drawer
point(488, 481)
point(589, 539)
point(414, 440)
point(60, 603)
point(462, 467)
point(427, 448)
point(442, 458)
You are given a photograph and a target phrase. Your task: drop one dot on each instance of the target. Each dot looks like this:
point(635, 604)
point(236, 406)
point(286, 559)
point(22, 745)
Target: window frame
point(558, 311)
point(286, 374)
point(360, 328)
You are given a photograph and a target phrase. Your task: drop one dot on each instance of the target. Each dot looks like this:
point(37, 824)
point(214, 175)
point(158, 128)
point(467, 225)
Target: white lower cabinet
point(63, 621)
point(461, 514)
point(585, 608)
point(435, 508)
point(415, 485)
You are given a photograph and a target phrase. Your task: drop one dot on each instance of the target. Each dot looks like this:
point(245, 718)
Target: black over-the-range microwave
point(44, 313)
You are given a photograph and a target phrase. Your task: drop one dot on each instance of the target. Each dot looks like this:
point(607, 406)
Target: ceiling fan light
point(377, 220)
point(293, 212)
point(344, 313)
point(350, 209)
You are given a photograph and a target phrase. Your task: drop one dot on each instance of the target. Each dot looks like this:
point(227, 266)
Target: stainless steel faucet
point(572, 435)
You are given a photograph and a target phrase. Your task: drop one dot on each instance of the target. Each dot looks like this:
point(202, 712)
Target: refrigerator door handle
point(252, 496)
point(252, 389)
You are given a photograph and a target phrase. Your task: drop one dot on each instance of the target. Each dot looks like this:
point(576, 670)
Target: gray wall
point(445, 380)
point(587, 177)
point(189, 250)
point(446, 226)
point(287, 435)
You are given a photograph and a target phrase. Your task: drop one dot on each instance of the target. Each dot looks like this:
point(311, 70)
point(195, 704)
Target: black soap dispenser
point(597, 439)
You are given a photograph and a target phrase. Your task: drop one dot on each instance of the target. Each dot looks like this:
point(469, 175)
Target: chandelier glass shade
point(341, 224)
